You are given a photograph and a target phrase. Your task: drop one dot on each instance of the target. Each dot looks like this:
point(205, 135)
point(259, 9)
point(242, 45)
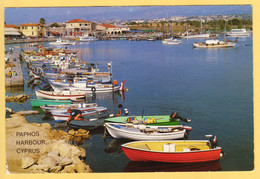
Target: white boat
point(61, 95)
point(87, 87)
point(87, 38)
point(62, 42)
point(239, 32)
point(143, 132)
point(171, 41)
point(196, 36)
point(214, 44)
point(64, 107)
point(64, 116)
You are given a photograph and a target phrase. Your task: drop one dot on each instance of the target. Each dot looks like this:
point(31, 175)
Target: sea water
point(213, 87)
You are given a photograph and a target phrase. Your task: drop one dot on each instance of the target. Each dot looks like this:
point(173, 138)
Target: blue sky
point(61, 14)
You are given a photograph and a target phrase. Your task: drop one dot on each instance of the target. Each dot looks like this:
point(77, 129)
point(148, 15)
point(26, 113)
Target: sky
point(61, 14)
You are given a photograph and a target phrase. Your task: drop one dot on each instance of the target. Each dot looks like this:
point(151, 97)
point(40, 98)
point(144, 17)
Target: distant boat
point(171, 41)
point(214, 44)
point(188, 36)
point(87, 38)
point(239, 32)
point(173, 151)
point(62, 42)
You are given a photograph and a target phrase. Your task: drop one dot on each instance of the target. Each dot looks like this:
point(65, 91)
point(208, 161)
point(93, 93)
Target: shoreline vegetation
point(37, 148)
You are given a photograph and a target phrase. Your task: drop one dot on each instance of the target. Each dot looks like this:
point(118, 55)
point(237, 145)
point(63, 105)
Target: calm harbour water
point(213, 87)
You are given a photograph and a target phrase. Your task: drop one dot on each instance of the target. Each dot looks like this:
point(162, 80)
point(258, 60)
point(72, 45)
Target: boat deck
point(178, 146)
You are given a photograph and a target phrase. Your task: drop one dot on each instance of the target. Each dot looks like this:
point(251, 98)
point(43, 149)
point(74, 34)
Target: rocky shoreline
point(37, 148)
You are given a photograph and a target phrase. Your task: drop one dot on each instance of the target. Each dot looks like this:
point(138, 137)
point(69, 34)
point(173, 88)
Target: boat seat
point(169, 147)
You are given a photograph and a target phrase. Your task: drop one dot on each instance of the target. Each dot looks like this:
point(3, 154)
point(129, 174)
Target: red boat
point(174, 151)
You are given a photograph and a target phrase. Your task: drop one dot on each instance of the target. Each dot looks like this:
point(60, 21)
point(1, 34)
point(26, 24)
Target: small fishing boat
point(43, 102)
point(173, 151)
point(171, 41)
point(143, 132)
point(65, 107)
point(87, 38)
point(88, 124)
point(62, 42)
point(61, 95)
point(64, 116)
point(89, 87)
point(165, 120)
point(214, 44)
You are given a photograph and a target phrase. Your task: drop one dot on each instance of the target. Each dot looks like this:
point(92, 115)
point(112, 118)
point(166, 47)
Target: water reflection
point(115, 146)
point(171, 167)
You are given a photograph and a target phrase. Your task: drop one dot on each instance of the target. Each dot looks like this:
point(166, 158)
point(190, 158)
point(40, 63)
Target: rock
point(27, 162)
point(46, 126)
point(71, 132)
point(55, 169)
point(29, 112)
point(40, 168)
point(65, 161)
point(55, 155)
point(69, 169)
point(82, 131)
point(48, 161)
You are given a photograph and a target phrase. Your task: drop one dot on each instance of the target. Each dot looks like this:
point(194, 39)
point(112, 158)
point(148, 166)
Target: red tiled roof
point(11, 26)
point(30, 24)
point(108, 26)
point(76, 21)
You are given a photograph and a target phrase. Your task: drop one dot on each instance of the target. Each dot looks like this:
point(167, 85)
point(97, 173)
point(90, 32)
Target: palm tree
point(42, 20)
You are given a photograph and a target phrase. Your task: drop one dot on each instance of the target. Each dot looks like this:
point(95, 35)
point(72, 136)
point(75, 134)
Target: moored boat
point(64, 116)
point(61, 95)
point(214, 44)
point(239, 33)
point(43, 102)
point(166, 120)
point(173, 151)
point(171, 41)
point(64, 107)
point(62, 42)
point(143, 132)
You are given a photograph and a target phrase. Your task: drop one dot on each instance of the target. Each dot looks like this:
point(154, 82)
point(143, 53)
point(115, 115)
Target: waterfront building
point(112, 29)
point(78, 27)
point(32, 29)
point(12, 32)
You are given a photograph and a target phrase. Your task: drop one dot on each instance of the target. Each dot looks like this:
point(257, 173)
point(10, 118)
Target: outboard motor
point(213, 141)
point(174, 116)
point(126, 112)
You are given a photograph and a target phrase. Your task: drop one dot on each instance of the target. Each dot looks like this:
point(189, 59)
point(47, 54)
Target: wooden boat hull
point(63, 108)
point(145, 155)
point(117, 131)
point(43, 102)
point(202, 45)
point(58, 96)
point(63, 117)
point(86, 124)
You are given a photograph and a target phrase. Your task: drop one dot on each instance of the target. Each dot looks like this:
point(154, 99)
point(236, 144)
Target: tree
point(42, 20)
point(55, 25)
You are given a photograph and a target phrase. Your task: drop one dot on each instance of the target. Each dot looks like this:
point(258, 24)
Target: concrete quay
point(13, 70)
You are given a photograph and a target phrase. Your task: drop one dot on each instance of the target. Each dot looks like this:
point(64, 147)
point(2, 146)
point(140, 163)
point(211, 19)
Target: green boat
point(43, 102)
point(163, 120)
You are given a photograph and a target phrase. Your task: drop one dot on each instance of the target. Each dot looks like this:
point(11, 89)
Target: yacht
point(239, 32)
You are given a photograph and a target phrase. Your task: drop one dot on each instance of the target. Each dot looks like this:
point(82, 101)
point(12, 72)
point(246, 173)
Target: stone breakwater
point(36, 148)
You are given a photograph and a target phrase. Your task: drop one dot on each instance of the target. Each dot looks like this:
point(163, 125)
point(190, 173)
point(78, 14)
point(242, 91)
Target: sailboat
point(186, 35)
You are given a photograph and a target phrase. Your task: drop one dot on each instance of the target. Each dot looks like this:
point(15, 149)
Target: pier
point(13, 69)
